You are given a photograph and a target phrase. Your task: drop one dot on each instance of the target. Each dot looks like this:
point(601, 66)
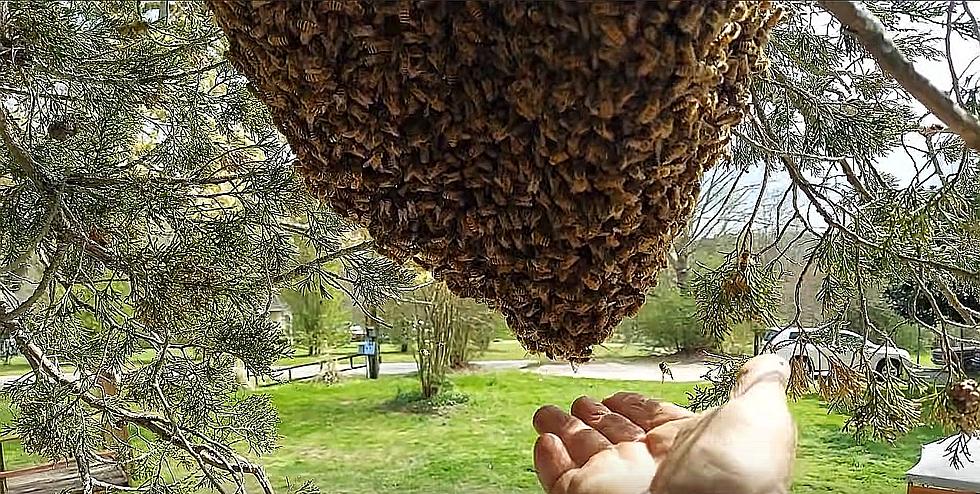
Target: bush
point(667, 320)
point(415, 402)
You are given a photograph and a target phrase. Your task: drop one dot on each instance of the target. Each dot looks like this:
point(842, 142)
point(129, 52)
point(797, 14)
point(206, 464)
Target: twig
point(796, 175)
point(42, 284)
point(306, 267)
point(949, 53)
point(869, 30)
point(20, 157)
point(45, 228)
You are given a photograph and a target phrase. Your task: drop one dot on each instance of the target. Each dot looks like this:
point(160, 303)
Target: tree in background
point(665, 322)
point(928, 305)
point(434, 325)
point(318, 323)
point(474, 325)
point(147, 202)
point(720, 209)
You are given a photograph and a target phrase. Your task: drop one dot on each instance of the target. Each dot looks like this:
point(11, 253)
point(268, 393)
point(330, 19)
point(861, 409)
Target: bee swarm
point(539, 156)
point(965, 398)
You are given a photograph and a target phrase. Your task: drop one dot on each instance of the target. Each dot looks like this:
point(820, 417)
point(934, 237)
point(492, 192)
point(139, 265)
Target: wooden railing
point(53, 477)
point(296, 372)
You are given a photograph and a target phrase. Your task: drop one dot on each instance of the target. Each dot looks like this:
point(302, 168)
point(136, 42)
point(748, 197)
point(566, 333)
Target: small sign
point(368, 348)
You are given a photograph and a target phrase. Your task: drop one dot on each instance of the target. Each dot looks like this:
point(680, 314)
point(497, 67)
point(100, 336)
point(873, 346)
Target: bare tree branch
point(872, 35)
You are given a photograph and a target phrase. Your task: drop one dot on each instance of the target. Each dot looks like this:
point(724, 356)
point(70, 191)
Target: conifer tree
point(149, 210)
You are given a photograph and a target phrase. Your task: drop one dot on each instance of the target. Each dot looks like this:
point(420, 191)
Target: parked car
point(968, 357)
point(883, 358)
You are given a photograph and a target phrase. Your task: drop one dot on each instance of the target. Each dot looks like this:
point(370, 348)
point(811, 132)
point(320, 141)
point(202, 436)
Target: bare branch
point(949, 53)
point(872, 35)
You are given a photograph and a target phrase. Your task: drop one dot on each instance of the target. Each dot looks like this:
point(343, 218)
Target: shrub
point(667, 320)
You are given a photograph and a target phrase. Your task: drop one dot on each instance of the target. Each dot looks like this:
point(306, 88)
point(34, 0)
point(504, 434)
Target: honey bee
point(473, 8)
point(613, 33)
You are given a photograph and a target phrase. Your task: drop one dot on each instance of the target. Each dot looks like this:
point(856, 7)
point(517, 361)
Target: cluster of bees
point(538, 156)
point(965, 398)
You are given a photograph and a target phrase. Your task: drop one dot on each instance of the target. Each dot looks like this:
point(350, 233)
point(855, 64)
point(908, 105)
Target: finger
point(614, 426)
point(551, 461)
point(580, 440)
point(645, 412)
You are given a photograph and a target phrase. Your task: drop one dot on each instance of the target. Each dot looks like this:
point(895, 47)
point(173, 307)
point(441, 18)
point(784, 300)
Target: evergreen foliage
point(147, 203)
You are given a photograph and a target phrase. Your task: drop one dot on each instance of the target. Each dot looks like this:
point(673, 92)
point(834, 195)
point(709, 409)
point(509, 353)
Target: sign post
point(371, 345)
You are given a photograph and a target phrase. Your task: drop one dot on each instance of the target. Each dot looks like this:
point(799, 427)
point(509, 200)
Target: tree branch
point(872, 35)
point(20, 157)
point(45, 228)
point(305, 268)
point(42, 284)
point(163, 428)
point(796, 175)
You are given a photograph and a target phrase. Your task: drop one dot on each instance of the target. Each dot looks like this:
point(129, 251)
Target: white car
point(884, 358)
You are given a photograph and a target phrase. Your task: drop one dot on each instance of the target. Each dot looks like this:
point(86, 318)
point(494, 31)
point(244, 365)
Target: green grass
point(18, 365)
point(352, 438)
point(347, 438)
point(14, 456)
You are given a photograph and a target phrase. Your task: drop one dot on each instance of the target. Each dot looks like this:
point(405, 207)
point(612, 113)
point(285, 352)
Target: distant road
point(619, 371)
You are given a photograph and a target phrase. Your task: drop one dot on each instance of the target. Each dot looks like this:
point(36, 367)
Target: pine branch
point(45, 228)
point(871, 33)
point(817, 200)
point(165, 429)
point(20, 157)
point(42, 284)
point(306, 267)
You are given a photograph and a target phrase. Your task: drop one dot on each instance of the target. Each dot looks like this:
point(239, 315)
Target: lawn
point(346, 438)
point(16, 366)
point(349, 439)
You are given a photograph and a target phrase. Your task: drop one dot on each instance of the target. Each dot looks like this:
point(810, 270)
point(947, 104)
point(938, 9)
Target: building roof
point(935, 470)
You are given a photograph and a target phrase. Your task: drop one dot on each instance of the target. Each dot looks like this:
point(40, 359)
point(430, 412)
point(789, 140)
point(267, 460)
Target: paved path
point(620, 371)
point(402, 368)
point(626, 371)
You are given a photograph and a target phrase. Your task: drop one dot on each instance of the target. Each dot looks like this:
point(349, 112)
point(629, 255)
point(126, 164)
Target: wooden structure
point(933, 474)
point(310, 370)
point(57, 477)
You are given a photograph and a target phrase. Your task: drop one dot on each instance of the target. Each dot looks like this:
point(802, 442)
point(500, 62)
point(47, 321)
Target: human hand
point(630, 444)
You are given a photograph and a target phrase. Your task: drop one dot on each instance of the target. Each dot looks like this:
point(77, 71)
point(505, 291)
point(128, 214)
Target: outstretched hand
point(610, 447)
point(630, 444)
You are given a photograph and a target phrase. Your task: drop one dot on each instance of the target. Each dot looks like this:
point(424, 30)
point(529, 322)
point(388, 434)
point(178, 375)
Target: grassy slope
point(344, 438)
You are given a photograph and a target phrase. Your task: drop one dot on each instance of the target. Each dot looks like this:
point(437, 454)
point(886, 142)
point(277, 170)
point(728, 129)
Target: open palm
point(612, 447)
point(630, 444)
